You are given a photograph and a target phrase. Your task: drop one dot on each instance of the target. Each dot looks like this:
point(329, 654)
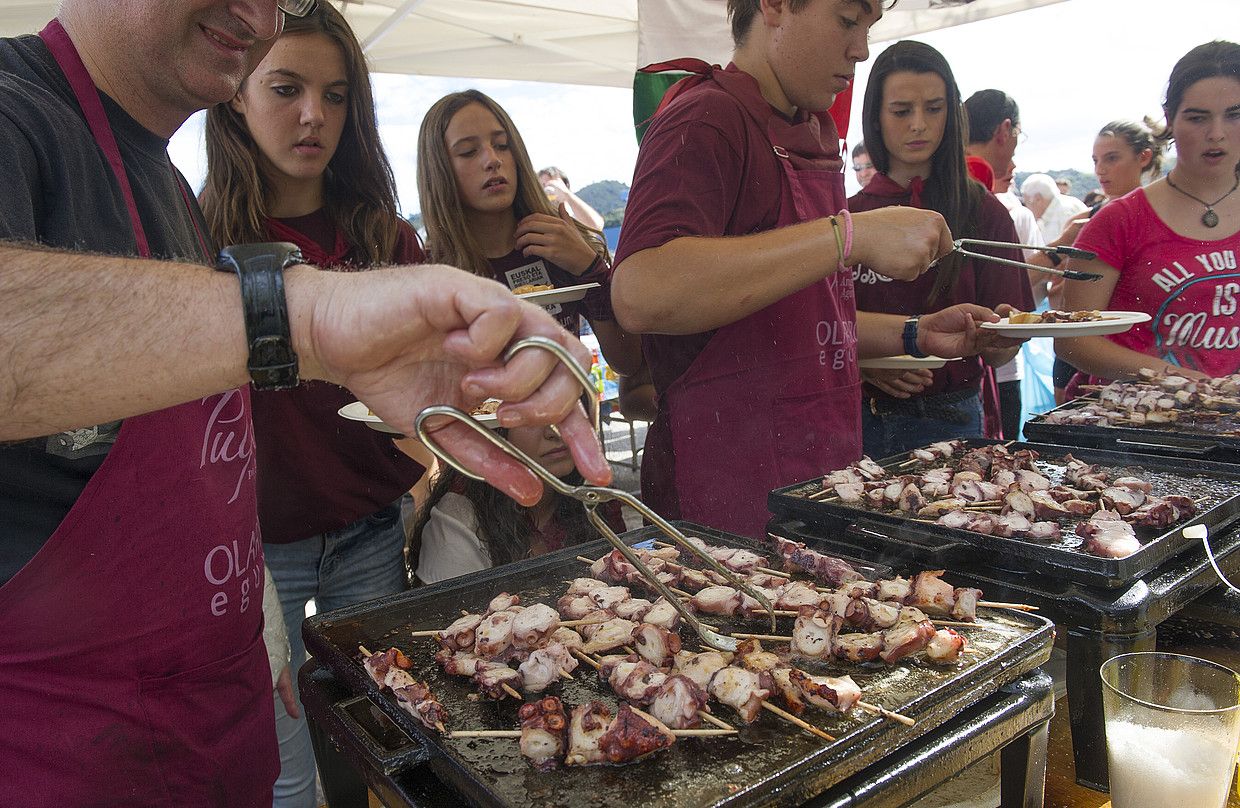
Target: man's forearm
point(691, 284)
point(86, 339)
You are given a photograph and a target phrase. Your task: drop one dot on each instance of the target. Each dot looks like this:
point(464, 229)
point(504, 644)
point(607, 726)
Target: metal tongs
point(592, 496)
point(958, 246)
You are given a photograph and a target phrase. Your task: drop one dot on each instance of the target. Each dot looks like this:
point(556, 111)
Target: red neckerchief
point(885, 187)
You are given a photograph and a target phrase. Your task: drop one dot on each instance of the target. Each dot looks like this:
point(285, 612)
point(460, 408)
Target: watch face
point(260, 269)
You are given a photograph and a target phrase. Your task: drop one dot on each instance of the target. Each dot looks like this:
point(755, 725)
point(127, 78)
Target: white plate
point(565, 294)
point(357, 411)
point(1113, 322)
point(904, 362)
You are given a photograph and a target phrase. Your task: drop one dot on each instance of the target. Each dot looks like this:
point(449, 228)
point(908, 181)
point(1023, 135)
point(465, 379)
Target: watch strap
point(910, 338)
point(1055, 258)
point(260, 269)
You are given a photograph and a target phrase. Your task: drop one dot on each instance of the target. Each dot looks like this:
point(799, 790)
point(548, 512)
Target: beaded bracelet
point(839, 240)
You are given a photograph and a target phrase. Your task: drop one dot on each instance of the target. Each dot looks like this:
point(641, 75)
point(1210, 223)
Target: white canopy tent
point(594, 42)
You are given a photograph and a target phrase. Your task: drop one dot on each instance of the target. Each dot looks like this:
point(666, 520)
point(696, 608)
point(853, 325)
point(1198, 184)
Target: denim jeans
point(360, 562)
point(912, 426)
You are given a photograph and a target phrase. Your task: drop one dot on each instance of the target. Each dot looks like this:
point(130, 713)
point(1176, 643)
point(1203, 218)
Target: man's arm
point(88, 339)
point(690, 285)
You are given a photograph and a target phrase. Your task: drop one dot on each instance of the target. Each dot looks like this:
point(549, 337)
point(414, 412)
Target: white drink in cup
point(1172, 726)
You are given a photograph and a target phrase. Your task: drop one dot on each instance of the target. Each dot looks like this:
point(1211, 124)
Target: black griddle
point(1217, 483)
point(1178, 439)
point(768, 762)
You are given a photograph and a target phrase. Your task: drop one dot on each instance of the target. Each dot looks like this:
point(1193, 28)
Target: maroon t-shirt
point(317, 471)
point(982, 282)
point(705, 169)
point(516, 269)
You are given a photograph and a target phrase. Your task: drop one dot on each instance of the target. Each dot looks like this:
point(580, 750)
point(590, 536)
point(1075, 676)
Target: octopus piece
point(720, 600)
point(858, 648)
point(931, 593)
point(568, 638)
point(814, 633)
point(635, 680)
point(663, 615)
point(1063, 493)
point(1029, 480)
point(741, 690)
point(1045, 506)
point(608, 597)
point(701, 668)
point(613, 567)
point(859, 589)
point(590, 622)
point(868, 614)
point(896, 589)
point(460, 635)
point(826, 569)
point(766, 580)
point(751, 605)
point(494, 635)
point(965, 608)
point(693, 580)
point(848, 476)
point(1133, 483)
point(633, 735)
point(944, 647)
point(971, 491)
point(850, 493)
point(1019, 502)
point(1107, 535)
point(575, 607)
point(1079, 507)
point(923, 455)
point(836, 603)
point(543, 666)
point(891, 492)
point(797, 594)
point(380, 663)
point(941, 507)
point(1012, 524)
point(533, 625)
point(1121, 500)
point(655, 644)
point(869, 469)
point(1044, 531)
point(544, 732)
point(416, 699)
point(907, 637)
point(586, 726)
point(911, 499)
point(492, 676)
point(502, 602)
point(837, 694)
point(678, 702)
point(875, 497)
point(1004, 478)
point(608, 635)
point(457, 663)
point(583, 586)
point(781, 683)
point(1155, 513)
point(751, 657)
point(632, 609)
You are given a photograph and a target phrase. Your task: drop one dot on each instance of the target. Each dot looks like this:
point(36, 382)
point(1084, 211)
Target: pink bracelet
point(848, 233)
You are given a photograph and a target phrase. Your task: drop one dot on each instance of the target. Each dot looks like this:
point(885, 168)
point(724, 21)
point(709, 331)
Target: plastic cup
point(1172, 726)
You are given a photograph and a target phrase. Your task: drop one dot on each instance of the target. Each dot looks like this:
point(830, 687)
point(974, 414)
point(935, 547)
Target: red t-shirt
point(317, 471)
point(982, 282)
point(1190, 288)
point(705, 169)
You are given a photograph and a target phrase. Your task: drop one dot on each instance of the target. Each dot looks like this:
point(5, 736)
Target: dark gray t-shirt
point(59, 191)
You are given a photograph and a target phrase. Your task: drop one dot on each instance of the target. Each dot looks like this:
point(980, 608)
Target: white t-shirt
point(450, 543)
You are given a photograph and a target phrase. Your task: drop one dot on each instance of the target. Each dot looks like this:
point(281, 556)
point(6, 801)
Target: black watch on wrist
point(1055, 258)
point(910, 338)
point(260, 269)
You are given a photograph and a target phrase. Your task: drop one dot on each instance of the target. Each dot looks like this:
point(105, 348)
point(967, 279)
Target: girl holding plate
point(485, 211)
point(1170, 249)
point(914, 128)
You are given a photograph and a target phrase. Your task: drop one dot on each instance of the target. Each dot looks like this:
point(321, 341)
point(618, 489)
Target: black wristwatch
point(260, 269)
point(1055, 258)
point(910, 338)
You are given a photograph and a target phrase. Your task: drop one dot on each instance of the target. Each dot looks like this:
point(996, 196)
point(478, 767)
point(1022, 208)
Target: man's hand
point(899, 242)
point(898, 383)
point(556, 239)
point(284, 687)
point(406, 338)
point(953, 331)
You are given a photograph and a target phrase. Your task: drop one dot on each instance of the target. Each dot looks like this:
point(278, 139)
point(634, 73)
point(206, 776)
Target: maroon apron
point(774, 398)
point(131, 654)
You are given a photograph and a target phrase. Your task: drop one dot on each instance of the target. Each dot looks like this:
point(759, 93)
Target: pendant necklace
point(1209, 218)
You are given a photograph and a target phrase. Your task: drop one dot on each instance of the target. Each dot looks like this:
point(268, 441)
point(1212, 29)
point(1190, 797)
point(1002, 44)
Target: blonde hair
point(448, 237)
point(359, 188)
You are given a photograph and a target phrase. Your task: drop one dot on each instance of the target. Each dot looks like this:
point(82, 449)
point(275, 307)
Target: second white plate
point(903, 362)
point(1112, 322)
point(565, 294)
point(357, 411)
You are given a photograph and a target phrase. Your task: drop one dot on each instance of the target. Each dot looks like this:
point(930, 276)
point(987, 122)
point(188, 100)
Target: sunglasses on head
point(296, 8)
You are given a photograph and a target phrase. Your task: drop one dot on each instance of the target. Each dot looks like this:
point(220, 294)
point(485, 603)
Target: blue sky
point(1071, 66)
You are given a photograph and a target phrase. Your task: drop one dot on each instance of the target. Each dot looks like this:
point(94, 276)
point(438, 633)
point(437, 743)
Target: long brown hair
point(448, 237)
point(949, 189)
point(359, 188)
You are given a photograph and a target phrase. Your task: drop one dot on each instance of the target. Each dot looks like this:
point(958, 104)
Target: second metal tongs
point(591, 496)
point(958, 247)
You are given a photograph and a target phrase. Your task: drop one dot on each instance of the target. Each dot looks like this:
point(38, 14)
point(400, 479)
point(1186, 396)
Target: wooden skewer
point(1020, 607)
point(434, 632)
point(768, 637)
point(980, 508)
point(584, 657)
point(885, 713)
point(566, 623)
point(365, 651)
point(688, 733)
point(705, 716)
point(777, 573)
point(516, 733)
point(952, 623)
point(911, 462)
point(585, 560)
point(508, 689)
point(826, 493)
point(565, 675)
point(787, 716)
